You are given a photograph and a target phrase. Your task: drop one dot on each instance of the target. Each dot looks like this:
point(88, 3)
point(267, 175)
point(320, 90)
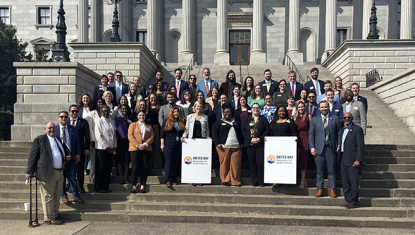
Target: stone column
point(294, 33)
point(96, 12)
point(153, 29)
point(367, 6)
point(406, 19)
point(83, 26)
point(125, 8)
point(222, 55)
point(331, 28)
point(258, 55)
point(187, 31)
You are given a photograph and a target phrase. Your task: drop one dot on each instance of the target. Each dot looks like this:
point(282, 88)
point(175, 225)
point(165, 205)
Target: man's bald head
point(347, 118)
point(50, 129)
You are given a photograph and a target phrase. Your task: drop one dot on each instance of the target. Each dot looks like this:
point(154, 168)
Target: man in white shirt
point(206, 84)
point(120, 87)
point(327, 86)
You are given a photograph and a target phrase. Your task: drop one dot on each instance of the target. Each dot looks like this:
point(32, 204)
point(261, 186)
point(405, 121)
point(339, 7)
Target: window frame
point(10, 12)
point(137, 31)
point(38, 24)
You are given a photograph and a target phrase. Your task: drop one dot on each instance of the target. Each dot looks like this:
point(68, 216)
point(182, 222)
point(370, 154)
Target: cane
point(32, 223)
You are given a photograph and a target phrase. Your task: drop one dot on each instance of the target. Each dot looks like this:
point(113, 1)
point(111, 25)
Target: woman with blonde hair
point(108, 97)
point(133, 96)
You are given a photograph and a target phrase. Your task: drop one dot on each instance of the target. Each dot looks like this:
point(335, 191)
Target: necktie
point(177, 88)
point(348, 103)
point(317, 88)
point(292, 88)
point(60, 150)
point(63, 135)
point(326, 130)
point(268, 86)
point(207, 88)
point(73, 122)
point(311, 109)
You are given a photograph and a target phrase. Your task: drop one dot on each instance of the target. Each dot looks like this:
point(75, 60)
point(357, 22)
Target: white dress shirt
point(316, 86)
point(68, 139)
point(118, 88)
point(57, 156)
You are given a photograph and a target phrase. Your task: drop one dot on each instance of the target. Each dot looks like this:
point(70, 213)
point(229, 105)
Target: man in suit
point(351, 146)
point(311, 107)
point(82, 127)
point(159, 77)
point(140, 89)
point(206, 84)
point(356, 89)
point(179, 83)
point(268, 85)
point(69, 137)
point(119, 87)
point(335, 107)
point(294, 87)
point(357, 109)
point(323, 137)
point(327, 86)
point(47, 161)
point(315, 85)
point(164, 110)
point(110, 77)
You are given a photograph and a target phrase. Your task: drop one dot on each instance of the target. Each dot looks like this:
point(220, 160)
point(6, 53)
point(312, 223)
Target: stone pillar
point(406, 19)
point(392, 19)
point(294, 33)
point(331, 28)
point(96, 12)
point(258, 55)
point(367, 6)
point(187, 31)
point(125, 8)
point(83, 26)
point(222, 54)
point(153, 29)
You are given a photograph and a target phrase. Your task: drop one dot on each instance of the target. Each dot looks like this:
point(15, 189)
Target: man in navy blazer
point(315, 85)
point(351, 146)
point(327, 86)
point(268, 85)
point(206, 82)
point(355, 89)
point(322, 140)
point(119, 86)
point(311, 106)
point(335, 107)
point(294, 84)
point(179, 83)
point(69, 137)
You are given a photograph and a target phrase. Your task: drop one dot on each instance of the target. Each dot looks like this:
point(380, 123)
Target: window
point(5, 15)
point(141, 36)
point(399, 19)
point(44, 16)
point(341, 36)
point(239, 37)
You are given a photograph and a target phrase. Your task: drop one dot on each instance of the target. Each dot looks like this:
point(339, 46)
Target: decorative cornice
point(240, 19)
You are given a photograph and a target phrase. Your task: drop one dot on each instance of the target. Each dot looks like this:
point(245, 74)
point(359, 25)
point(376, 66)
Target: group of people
point(145, 127)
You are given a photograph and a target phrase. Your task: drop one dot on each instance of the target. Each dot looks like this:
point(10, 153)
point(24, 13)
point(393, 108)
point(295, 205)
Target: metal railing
point(189, 68)
point(294, 68)
point(372, 78)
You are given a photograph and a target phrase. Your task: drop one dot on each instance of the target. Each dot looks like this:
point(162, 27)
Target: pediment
point(42, 40)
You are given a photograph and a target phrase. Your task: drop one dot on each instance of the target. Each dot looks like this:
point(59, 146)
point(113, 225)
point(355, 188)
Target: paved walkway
point(91, 228)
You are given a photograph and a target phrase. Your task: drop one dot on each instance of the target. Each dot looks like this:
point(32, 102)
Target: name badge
point(249, 111)
point(288, 121)
point(279, 95)
point(264, 84)
point(312, 88)
point(337, 111)
point(356, 108)
point(223, 124)
point(147, 129)
point(251, 124)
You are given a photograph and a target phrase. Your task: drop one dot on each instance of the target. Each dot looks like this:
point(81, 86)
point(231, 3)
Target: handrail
point(294, 68)
point(372, 78)
point(188, 68)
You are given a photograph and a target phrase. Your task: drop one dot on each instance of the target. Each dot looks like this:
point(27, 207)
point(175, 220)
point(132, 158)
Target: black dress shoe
point(194, 184)
point(82, 190)
point(142, 191)
point(109, 191)
point(134, 190)
point(226, 184)
point(200, 184)
point(261, 185)
point(103, 191)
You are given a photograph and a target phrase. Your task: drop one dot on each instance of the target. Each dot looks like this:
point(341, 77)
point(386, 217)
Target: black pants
point(350, 183)
point(256, 163)
point(80, 170)
point(139, 162)
point(103, 167)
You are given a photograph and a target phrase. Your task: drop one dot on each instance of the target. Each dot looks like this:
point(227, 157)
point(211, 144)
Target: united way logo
point(271, 159)
point(188, 160)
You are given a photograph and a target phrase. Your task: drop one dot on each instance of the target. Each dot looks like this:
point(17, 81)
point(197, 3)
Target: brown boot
point(333, 193)
point(319, 193)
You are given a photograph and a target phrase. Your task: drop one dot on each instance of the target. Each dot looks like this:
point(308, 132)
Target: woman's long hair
point(296, 115)
point(81, 104)
point(170, 120)
point(253, 94)
point(210, 93)
point(149, 103)
point(183, 100)
point(195, 98)
point(244, 87)
point(286, 113)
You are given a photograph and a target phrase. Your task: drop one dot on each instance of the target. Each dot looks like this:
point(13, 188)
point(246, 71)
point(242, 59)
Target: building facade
point(215, 31)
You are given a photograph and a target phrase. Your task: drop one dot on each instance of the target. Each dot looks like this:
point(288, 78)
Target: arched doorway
point(308, 45)
point(172, 46)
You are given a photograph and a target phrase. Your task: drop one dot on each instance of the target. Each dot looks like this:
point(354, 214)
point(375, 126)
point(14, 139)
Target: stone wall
point(132, 59)
point(399, 93)
point(44, 89)
point(354, 58)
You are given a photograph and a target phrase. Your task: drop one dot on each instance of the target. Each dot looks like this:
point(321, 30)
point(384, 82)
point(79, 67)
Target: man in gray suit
point(323, 137)
point(47, 161)
point(356, 108)
point(164, 110)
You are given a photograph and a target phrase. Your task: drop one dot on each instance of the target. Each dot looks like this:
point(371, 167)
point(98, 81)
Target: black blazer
point(315, 109)
point(98, 92)
point(273, 88)
point(82, 127)
point(40, 161)
point(298, 87)
point(354, 145)
point(263, 130)
point(220, 131)
point(310, 86)
point(359, 98)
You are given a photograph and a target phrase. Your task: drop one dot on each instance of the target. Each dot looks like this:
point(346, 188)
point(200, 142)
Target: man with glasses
point(351, 146)
point(82, 127)
point(335, 107)
point(159, 77)
point(120, 87)
point(311, 107)
point(69, 138)
point(327, 86)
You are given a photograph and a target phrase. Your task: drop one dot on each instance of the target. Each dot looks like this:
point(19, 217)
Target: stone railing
point(355, 58)
point(399, 93)
point(44, 89)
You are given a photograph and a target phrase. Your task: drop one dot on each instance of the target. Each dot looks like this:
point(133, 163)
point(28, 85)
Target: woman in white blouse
point(109, 97)
point(105, 145)
point(85, 105)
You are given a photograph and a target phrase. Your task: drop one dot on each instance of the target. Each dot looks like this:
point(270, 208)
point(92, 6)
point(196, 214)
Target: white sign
point(280, 160)
point(197, 161)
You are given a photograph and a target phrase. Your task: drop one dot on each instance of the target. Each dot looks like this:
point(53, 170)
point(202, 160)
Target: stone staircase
point(387, 197)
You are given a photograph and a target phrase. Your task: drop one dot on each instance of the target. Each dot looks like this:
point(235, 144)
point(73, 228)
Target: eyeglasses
point(118, 75)
point(268, 99)
point(74, 111)
point(63, 117)
point(150, 89)
point(106, 111)
point(347, 117)
point(311, 97)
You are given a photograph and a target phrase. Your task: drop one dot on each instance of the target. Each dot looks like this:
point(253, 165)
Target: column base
point(258, 58)
point(296, 57)
point(221, 58)
point(326, 54)
point(185, 57)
